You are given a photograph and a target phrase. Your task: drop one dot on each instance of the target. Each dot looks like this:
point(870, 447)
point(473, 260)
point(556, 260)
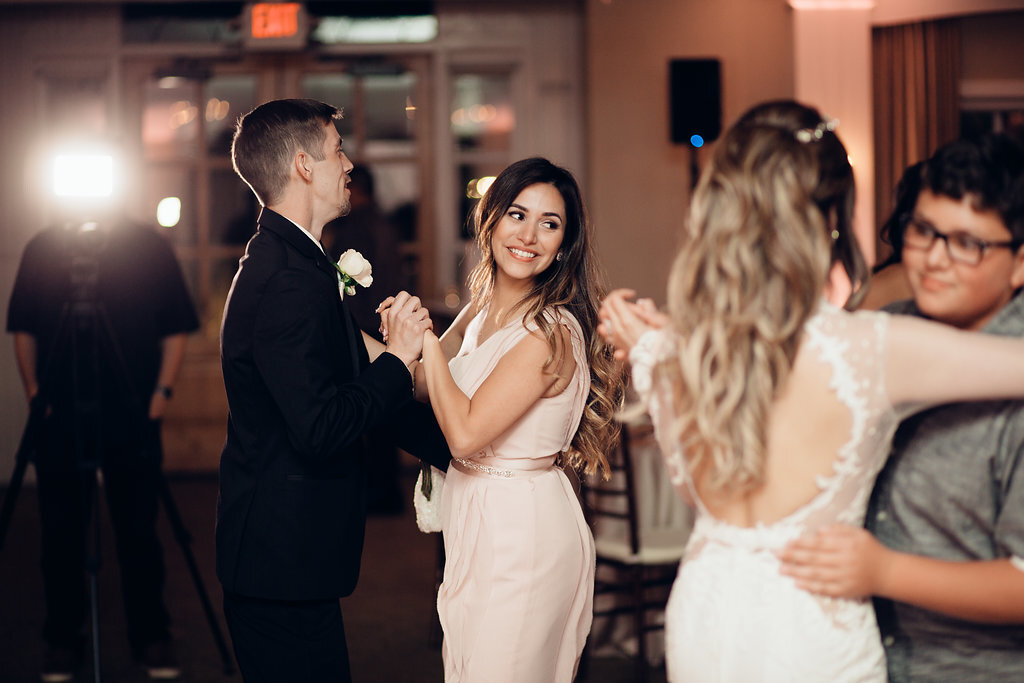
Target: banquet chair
point(637, 560)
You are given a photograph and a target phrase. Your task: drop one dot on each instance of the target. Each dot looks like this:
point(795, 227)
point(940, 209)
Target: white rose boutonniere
point(354, 270)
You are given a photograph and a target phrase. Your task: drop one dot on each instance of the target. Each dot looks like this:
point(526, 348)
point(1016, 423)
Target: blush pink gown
point(516, 602)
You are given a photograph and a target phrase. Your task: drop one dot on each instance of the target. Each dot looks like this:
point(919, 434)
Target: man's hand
point(840, 561)
point(157, 406)
point(25, 354)
point(403, 322)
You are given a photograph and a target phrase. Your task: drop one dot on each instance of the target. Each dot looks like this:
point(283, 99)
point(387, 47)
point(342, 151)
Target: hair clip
point(816, 133)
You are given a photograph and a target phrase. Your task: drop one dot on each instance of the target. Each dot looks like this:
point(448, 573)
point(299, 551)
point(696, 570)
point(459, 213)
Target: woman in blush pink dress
point(522, 386)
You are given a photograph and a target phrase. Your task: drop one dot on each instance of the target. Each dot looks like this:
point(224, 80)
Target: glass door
point(482, 136)
point(383, 128)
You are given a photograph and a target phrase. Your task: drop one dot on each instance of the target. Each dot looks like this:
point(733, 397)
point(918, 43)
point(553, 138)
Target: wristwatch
point(165, 391)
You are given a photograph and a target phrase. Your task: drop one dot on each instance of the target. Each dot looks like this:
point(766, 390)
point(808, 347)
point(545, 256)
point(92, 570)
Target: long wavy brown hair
point(769, 217)
point(575, 282)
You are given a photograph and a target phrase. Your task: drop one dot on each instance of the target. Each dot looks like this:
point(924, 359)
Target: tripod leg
point(11, 497)
point(184, 540)
point(25, 449)
point(92, 566)
point(94, 625)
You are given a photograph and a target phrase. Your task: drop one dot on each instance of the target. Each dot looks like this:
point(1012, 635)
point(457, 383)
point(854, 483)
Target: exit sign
point(276, 25)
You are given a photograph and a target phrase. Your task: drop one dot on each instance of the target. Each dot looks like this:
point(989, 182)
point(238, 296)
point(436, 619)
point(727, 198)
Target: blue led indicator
point(696, 140)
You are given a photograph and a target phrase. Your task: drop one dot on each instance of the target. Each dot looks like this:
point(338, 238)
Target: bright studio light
point(83, 175)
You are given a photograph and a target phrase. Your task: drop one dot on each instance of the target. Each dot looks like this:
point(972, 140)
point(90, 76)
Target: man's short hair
point(268, 138)
point(988, 170)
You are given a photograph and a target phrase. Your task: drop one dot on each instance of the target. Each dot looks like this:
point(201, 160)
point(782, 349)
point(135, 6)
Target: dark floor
point(388, 619)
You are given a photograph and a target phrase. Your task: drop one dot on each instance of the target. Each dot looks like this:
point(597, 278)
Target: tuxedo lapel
point(354, 337)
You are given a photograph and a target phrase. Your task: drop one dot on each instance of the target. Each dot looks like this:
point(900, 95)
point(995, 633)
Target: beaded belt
point(474, 468)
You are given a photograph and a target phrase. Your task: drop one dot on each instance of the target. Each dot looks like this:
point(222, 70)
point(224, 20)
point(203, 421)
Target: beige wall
point(832, 61)
point(639, 182)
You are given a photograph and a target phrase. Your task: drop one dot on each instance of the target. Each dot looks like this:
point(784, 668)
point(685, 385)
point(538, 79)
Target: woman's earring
point(558, 256)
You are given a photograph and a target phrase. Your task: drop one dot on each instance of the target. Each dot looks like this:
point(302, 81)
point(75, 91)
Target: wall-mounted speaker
point(695, 99)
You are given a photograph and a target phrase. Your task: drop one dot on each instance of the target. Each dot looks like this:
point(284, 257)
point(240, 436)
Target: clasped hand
point(624, 321)
point(403, 321)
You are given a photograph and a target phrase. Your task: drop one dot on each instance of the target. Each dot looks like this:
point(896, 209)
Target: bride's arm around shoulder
point(930, 362)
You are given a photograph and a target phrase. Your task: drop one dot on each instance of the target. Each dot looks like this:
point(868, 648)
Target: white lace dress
point(731, 615)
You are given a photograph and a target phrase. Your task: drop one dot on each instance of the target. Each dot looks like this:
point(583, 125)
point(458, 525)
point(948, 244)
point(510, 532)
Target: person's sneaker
point(59, 665)
point(160, 662)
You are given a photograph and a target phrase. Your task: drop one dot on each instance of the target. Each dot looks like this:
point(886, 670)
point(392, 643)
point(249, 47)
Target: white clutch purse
point(426, 498)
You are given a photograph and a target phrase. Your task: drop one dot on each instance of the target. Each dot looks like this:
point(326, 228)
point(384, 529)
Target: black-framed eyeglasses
point(960, 246)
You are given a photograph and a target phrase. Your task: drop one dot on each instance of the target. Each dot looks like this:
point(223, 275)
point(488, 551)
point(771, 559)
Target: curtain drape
point(917, 104)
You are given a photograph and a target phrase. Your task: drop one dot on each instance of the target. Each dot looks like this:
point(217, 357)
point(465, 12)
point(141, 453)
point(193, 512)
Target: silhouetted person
point(367, 230)
point(138, 287)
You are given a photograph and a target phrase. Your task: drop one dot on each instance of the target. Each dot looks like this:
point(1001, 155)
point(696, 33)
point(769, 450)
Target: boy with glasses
point(946, 562)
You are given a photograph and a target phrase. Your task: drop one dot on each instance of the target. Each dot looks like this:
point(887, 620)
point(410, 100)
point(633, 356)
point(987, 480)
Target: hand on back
point(839, 561)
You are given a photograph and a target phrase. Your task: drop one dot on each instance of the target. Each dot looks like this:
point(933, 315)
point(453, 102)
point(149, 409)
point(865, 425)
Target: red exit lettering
point(275, 19)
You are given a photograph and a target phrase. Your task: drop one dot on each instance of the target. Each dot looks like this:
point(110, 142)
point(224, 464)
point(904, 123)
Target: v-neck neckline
point(482, 316)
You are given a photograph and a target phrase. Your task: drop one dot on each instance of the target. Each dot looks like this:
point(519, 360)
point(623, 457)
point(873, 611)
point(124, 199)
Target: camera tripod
point(84, 330)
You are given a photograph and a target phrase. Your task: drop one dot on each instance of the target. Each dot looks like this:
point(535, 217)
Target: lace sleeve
point(657, 395)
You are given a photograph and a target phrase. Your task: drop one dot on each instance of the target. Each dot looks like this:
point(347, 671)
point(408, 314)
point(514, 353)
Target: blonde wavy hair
point(575, 282)
point(770, 215)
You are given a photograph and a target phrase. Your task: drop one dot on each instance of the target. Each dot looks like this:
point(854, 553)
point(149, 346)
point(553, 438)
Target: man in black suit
point(303, 385)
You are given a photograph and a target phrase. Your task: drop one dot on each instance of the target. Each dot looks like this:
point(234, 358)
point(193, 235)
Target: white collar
point(309, 235)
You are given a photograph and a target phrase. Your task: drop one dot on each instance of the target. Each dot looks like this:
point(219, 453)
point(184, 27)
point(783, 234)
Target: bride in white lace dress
point(774, 408)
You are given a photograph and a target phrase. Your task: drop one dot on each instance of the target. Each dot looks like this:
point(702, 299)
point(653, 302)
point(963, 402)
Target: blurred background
point(438, 96)
point(128, 107)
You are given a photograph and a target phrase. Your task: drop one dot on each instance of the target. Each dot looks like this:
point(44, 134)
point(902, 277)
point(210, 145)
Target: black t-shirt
point(117, 292)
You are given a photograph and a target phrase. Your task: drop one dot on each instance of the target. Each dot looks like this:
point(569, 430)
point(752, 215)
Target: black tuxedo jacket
point(301, 391)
